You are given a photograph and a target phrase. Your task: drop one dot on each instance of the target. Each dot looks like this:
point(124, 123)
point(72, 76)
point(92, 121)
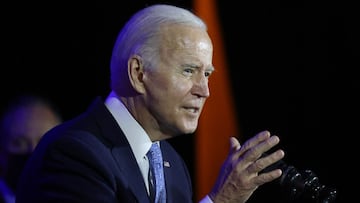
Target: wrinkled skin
point(172, 93)
point(239, 176)
point(171, 96)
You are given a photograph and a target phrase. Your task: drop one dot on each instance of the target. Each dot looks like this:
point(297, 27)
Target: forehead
point(183, 37)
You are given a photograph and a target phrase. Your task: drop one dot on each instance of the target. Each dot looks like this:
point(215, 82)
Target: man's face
point(177, 87)
point(27, 126)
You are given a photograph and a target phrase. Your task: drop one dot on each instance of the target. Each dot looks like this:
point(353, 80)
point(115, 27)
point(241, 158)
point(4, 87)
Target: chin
point(189, 130)
point(186, 127)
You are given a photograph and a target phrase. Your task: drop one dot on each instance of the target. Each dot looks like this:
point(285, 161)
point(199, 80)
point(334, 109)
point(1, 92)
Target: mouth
point(193, 110)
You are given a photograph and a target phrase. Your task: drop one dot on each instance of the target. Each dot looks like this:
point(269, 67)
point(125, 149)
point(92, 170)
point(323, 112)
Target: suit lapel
point(128, 168)
point(178, 183)
point(129, 171)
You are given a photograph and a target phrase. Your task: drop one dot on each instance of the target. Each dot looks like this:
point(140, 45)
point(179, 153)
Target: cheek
point(180, 85)
point(165, 85)
point(158, 90)
point(172, 85)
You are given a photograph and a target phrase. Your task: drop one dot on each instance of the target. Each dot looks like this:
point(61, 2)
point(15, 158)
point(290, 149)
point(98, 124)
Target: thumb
point(234, 144)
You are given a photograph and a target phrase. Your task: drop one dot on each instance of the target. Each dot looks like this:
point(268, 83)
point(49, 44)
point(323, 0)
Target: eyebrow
point(211, 68)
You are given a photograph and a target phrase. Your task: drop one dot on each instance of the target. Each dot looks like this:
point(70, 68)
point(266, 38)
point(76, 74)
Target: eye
point(188, 71)
point(208, 73)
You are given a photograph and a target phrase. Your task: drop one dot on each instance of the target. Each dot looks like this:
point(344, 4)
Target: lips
point(192, 109)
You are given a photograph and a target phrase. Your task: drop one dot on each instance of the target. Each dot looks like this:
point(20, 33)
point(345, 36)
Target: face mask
point(16, 163)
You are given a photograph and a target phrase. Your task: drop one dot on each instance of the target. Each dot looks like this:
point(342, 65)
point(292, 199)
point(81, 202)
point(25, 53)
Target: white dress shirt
point(139, 141)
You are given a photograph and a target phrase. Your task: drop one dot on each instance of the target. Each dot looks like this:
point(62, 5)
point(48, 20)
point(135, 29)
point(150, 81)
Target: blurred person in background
point(24, 121)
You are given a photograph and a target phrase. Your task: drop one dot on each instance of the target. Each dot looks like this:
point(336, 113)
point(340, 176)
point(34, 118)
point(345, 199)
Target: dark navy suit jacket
point(89, 160)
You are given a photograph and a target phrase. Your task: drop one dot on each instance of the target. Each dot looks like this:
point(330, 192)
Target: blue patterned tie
point(157, 172)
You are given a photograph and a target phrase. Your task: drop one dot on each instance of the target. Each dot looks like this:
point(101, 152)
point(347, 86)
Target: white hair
point(140, 36)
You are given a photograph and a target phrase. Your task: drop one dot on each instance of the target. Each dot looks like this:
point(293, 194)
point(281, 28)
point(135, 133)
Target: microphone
point(302, 186)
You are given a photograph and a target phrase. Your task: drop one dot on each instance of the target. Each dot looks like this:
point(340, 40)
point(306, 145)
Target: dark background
point(293, 70)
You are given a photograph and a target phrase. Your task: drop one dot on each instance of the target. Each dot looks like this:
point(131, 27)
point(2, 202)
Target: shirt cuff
point(206, 199)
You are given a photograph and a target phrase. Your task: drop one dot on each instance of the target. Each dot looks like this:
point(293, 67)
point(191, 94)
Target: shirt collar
point(138, 139)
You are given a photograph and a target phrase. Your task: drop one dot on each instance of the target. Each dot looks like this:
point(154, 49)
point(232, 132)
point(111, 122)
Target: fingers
point(242, 171)
point(267, 177)
point(255, 140)
point(262, 163)
point(234, 144)
point(253, 148)
point(249, 157)
point(263, 146)
point(254, 162)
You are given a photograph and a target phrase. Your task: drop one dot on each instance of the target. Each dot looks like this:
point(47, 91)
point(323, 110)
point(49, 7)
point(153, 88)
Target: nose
point(201, 86)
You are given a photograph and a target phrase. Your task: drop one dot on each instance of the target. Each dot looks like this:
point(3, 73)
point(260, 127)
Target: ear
point(136, 73)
